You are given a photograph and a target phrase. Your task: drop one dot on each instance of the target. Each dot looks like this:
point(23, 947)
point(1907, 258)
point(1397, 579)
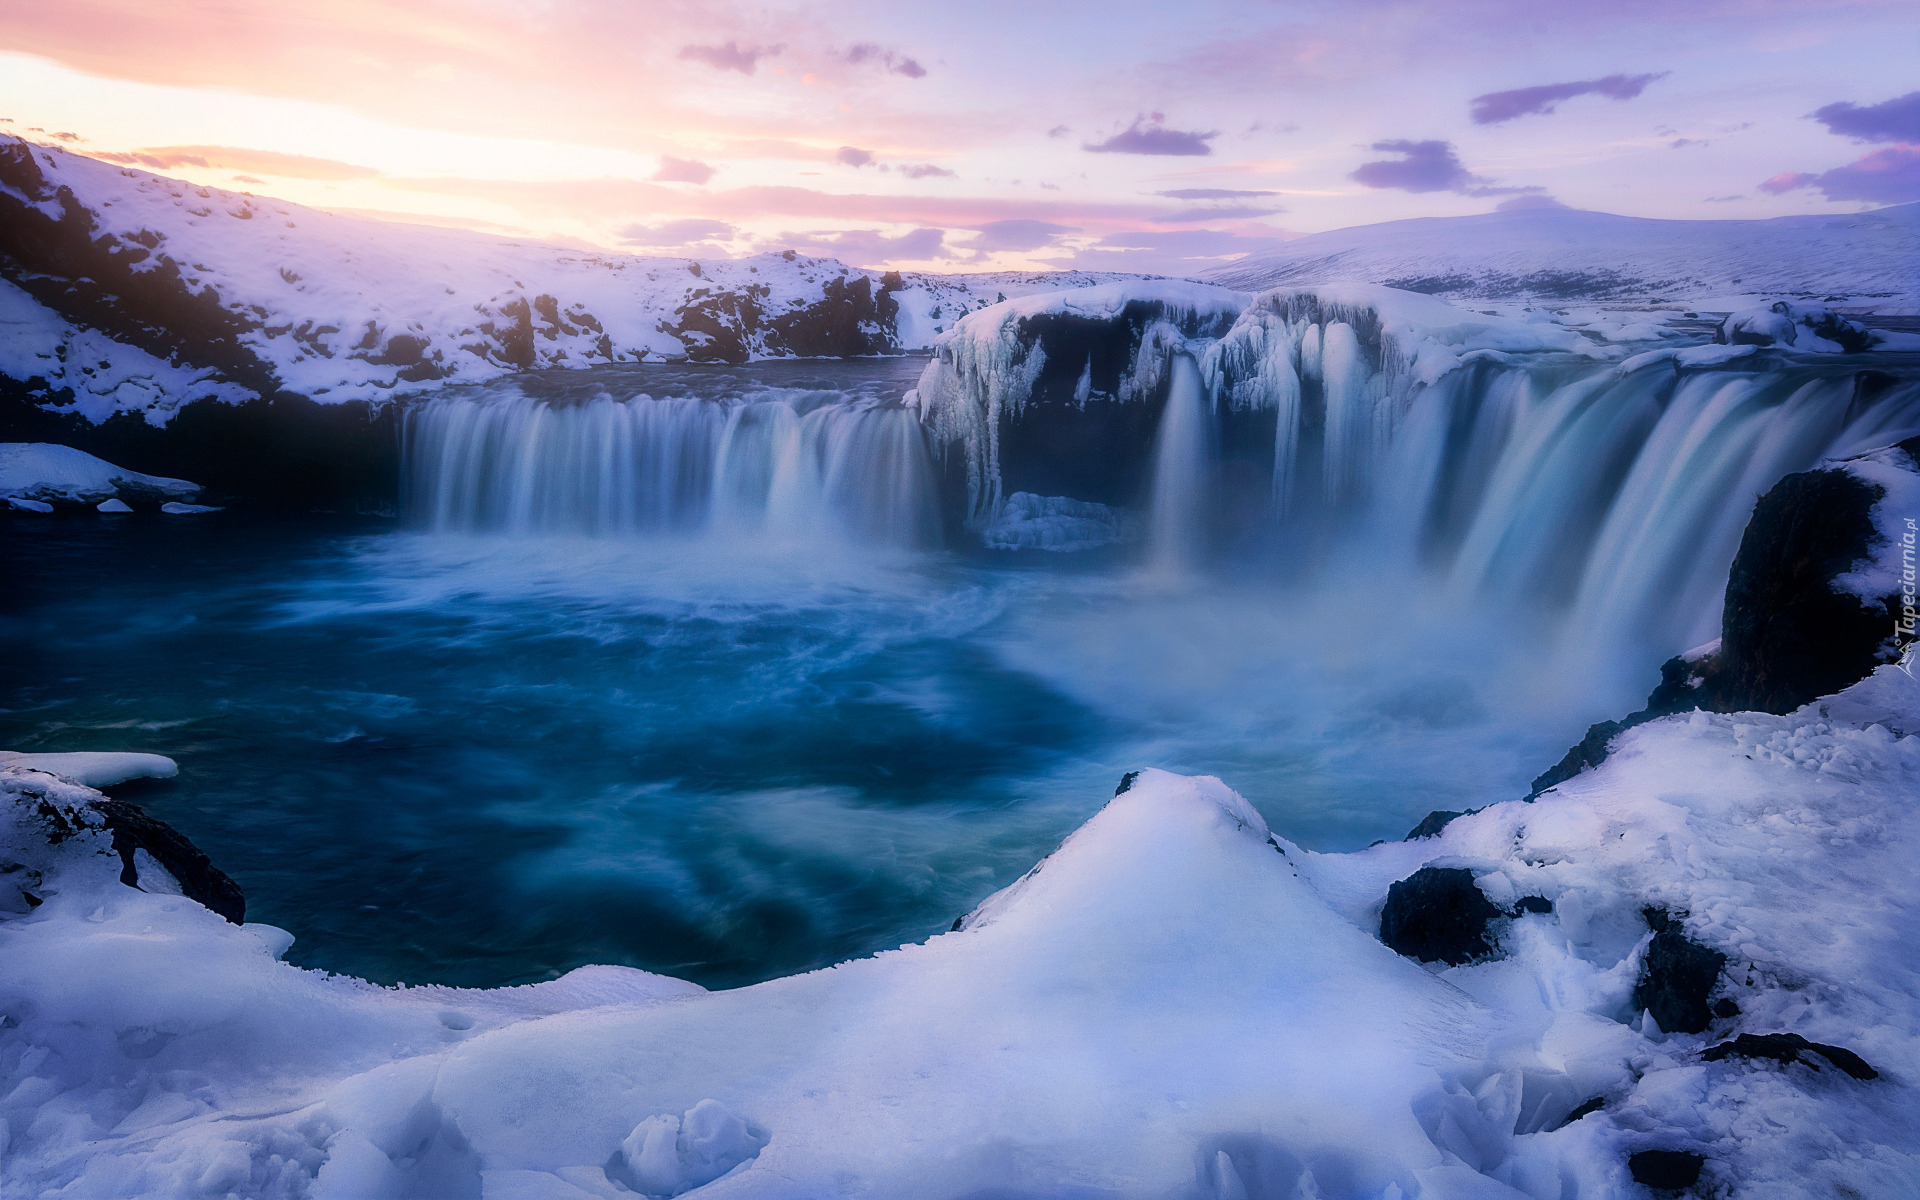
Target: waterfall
point(501, 461)
point(1177, 505)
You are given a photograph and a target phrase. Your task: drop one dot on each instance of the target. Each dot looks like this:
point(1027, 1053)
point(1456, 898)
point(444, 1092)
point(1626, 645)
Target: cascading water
point(779, 464)
point(1495, 462)
point(1176, 509)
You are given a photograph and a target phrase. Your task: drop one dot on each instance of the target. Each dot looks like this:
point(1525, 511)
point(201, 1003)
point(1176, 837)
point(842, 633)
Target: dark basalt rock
point(1532, 904)
point(1586, 1108)
point(1788, 1048)
point(285, 453)
point(1669, 1170)
point(1438, 914)
point(850, 319)
point(1126, 783)
point(133, 829)
point(1787, 636)
point(1676, 977)
point(1432, 824)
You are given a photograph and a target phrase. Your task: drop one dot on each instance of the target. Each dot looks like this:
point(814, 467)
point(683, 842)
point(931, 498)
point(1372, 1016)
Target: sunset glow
point(996, 135)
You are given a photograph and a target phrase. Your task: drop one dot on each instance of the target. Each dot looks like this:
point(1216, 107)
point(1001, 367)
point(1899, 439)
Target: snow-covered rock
point(1809, 328)
point(95, 769)
point(50, 474)
point(128, 291)
point(1872, 259)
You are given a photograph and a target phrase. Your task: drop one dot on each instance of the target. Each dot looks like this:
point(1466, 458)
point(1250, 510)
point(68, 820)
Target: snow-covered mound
point(1869, 259)
point(132, 291)
point(40, 475)
point(1174, 1003)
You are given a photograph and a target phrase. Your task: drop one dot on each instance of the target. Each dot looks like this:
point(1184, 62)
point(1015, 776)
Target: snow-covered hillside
point(1867, 260)
point(124, 290)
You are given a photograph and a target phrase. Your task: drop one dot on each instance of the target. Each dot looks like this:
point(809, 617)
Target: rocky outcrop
point(1438, 914)
point(64, 814)
point(135, 831)
point(1677, 977)
point(1818, 596)
point(1785, 1048)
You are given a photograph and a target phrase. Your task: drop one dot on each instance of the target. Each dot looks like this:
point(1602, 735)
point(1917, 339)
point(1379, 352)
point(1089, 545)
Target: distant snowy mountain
point(1870, 260)
point(121, 290)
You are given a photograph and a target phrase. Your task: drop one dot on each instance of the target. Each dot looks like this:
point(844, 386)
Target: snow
point(1175, 1002)
point(1890, 569)
point(1863, 259)
point(45, 471)
point(105, 376)
point(179, 509)
point(96, 769)
point(1685, 356)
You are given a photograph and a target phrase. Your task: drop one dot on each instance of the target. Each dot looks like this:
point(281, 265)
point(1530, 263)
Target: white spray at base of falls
point(1177, 505)
point(501, 461)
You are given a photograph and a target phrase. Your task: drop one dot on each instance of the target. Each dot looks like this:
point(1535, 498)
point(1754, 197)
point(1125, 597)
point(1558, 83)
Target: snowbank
point(48, 474)
point(1174, 1003)
point(95, 769)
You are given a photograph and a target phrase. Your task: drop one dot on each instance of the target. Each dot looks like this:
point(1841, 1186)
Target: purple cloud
point(925, 171)
point(868, 247)
point(1887, 176)
point(677, 233)
point(895, 62)
point(1896, 120)
point(1422, 167)
point(1785, 181)
point(853, 156)
point(1495, 107)
point(1211, 194)
point(730, 57)
point(682, 170)
point(1016, 233)
point(1430, 166)
point(1147, 135)
point(1224, 213)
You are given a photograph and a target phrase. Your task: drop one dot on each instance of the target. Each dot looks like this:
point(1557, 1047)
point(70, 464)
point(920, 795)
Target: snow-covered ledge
point(42, 476)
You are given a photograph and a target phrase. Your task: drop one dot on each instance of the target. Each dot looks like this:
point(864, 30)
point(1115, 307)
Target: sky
point(986, 135)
